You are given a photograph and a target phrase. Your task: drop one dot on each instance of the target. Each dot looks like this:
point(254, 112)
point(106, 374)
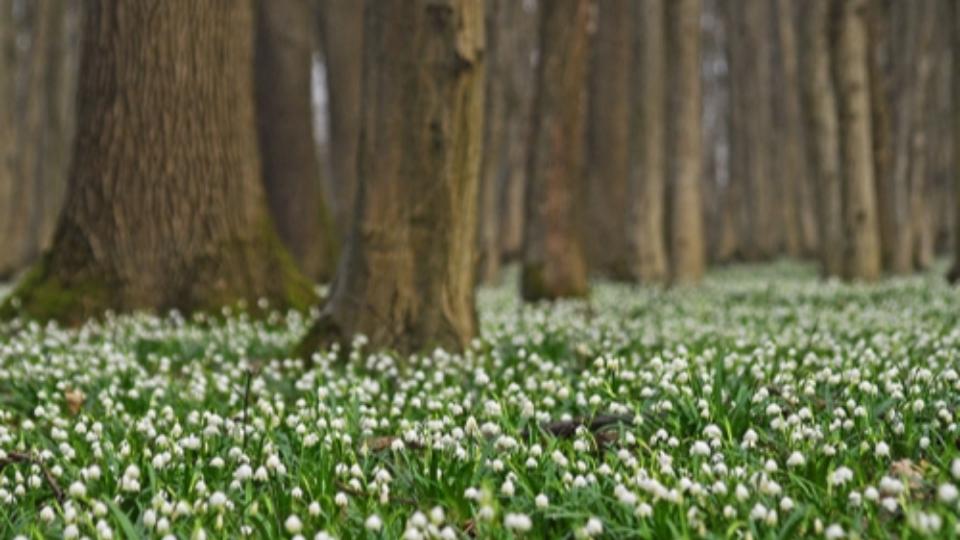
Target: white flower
point(77, 490)
point(373, 523)
point(882, 449)
point(796, 459)
point(71, 532)
point(700, 448)
point(149, 518)
point(786, 504)
point(324, 535)
point(758, 512)
point(293, 524)
point(517, 522)
point(541, 501)
point(955, 468)
point(314, 509)
point(947, 492)
point(47, 514)
point(218, 500)
point(644, 510)
point(834, 532)
point(507, 488)
point(243, 472)
point(840, 476)
point(340, 499)
point(594, 527)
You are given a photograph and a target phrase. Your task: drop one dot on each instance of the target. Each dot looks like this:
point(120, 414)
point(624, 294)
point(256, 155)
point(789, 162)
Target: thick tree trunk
point(608, 139)
point(165, 207)
point(520, 34)
point(554, 262)
point(862, 253)
point(648, 178)
point(823, 131)
point(493, 161)
point(406, 279)
point(793, 172)
point(687, 249)
point(291, 172)
point(341, 31)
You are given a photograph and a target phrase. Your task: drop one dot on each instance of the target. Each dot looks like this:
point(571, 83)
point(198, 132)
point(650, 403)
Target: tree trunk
point(9, 234)
point(39, 86)
point(341, 31)
point(687, 249)
point(823, 131)
point(608, 139)
point(165, 207)
point(862, 253)
point(921, 217)
point(954, 275)
point(554, 262)
point(406, 279)
point(493, 159)
point(291, 172)
point(648, 177)
point(519, 30)
point(793, 171)
point(751, 123)
point(891, 201)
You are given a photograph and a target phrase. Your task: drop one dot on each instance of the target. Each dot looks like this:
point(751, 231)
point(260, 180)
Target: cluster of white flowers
point(733, 405)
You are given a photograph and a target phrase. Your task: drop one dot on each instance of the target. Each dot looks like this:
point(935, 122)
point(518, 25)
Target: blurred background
point(764, 194)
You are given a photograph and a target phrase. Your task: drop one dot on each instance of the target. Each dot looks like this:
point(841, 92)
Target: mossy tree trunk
point(822, 131)
point(862, 250)
point(608, 139)
point(341, 31)
point(291, 172)
point(646, 188)
point(165, 207)
point(687, 249)
point(554, 259)
point(406, 278)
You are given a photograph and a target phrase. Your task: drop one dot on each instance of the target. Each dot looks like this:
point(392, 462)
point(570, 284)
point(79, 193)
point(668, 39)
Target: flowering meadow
point(764, 404)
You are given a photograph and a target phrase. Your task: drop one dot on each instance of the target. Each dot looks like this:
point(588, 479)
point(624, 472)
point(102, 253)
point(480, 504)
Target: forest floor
point(764, 404)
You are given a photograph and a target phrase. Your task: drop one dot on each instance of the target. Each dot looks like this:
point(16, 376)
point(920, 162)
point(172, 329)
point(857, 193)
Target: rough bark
point(648, 177)
point(406, 278)
point(862, 253)
point(608, 139)
point(291, 172)
point(165, 207)
point(341, 31)
point(493, 159)
point(554, 262)
point(687, 249)
point(823, 131)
